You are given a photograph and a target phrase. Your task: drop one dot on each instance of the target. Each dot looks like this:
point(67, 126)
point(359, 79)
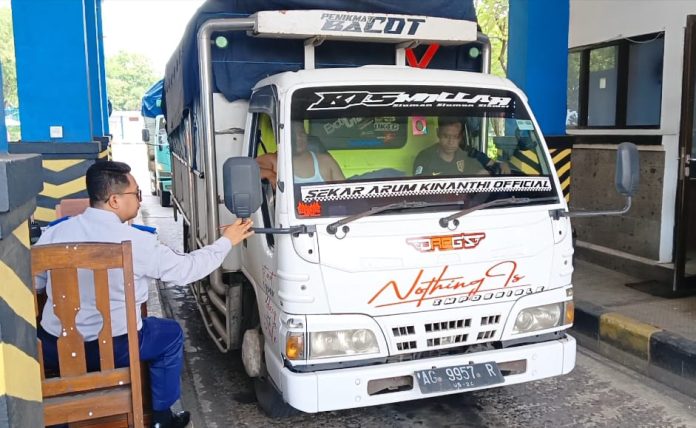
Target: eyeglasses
point(138, 194)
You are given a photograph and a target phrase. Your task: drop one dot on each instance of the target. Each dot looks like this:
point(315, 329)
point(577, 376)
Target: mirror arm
point(294, 230)
point(556, 214)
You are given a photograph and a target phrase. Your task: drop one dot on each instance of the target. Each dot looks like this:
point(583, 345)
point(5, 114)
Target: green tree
point(128, 76)
point(7, 57)
point(493, 18)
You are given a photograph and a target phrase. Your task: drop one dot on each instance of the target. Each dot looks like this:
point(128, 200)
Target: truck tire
point(268, 399)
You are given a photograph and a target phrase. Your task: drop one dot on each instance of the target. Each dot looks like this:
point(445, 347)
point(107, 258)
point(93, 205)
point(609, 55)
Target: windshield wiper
point(333, 227)
point(445, 221)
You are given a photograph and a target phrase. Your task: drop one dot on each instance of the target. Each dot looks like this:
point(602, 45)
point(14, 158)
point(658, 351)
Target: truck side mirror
point(242, 186)
point(145, 135)
point(627, 169)
point(626, 180)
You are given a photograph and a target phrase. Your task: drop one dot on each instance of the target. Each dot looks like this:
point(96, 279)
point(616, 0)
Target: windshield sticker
point(312, 209)
point(443, 186)
point(419, 125)
point(346, 99)
point(499, 281)
point(426, 244)
point(525, 125)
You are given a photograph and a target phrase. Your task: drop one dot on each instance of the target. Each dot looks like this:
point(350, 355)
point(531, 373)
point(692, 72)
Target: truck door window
point(264, 148)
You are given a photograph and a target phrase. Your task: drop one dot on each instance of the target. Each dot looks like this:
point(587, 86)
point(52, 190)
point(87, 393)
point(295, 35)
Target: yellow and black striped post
point(561, 161)
point(64, 167)
point(20, 381)
point(527, 161)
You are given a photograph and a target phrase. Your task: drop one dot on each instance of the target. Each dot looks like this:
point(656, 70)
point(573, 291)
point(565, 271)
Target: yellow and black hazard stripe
point(63, 179)
point(20, 380)
point(106, 154)
point(561, 161)
point(526, 161)
point(64, 167)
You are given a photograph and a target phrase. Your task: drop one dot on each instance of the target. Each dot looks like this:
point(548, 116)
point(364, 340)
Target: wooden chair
point(77, 395)
point(71, 207)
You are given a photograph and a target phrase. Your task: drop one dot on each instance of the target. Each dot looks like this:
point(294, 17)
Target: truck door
point(258, 252)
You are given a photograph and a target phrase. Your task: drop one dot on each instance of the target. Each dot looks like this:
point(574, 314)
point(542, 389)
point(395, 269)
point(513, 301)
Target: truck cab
point(394, 268)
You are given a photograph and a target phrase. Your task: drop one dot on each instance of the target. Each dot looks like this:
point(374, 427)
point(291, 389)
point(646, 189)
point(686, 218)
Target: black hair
point(446, 121)
point(104, 178)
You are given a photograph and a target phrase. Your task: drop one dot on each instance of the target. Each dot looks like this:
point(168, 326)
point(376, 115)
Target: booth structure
point(20, 382)
point(62, 91)
point(633, 79)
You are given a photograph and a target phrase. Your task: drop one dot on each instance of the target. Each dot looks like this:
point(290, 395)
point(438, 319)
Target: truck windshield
point(355, 148)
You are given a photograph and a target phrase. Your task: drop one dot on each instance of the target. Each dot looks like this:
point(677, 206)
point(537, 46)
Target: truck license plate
point(466, 376)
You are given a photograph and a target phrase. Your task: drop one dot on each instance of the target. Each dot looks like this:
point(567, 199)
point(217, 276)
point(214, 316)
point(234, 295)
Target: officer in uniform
point(114, 200)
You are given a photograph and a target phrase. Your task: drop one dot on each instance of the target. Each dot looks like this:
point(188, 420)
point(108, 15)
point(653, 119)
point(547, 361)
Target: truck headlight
point(542, 317)
point(327, 344)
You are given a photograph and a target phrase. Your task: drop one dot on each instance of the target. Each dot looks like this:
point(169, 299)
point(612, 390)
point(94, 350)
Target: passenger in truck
point(114, 199)
point(446, 157)
point(310, 161)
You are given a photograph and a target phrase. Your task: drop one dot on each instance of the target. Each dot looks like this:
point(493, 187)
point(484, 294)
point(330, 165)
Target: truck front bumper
point(348, 388)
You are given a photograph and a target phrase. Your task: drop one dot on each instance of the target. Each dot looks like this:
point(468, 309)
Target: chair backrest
point(71, 207)
point(61, 262)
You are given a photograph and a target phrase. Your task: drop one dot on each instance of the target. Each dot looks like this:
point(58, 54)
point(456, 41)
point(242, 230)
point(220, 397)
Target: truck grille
point(438, 333)
point(405, 346)
point(447, 325)
point(403, 331)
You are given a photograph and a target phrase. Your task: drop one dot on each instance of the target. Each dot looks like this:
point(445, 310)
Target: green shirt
point(429, 162)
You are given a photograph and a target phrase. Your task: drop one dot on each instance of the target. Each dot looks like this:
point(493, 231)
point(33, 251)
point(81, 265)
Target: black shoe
point(173, 420)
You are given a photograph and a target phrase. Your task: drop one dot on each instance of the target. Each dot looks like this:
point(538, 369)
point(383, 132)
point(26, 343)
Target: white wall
point(597, 21)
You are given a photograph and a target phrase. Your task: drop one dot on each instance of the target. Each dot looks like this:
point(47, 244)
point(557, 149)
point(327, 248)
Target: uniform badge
point(460, 165)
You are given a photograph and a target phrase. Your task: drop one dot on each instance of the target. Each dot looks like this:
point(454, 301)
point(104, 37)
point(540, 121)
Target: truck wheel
point(270, 401)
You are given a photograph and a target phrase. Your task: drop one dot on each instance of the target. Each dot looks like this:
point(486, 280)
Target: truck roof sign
point(359, 26)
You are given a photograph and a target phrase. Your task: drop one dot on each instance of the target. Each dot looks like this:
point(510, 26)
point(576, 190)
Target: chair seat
point(53, 387)
point(87, 405)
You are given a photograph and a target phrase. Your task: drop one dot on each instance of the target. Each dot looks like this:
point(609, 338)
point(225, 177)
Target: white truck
point(390, 284)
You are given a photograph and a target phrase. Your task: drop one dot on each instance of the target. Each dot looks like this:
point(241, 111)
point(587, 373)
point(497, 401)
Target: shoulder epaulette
point(60, 220)
point(148, 229)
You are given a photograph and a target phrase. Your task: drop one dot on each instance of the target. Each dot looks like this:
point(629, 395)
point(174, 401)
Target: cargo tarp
point(246, 60)
point(151, 105)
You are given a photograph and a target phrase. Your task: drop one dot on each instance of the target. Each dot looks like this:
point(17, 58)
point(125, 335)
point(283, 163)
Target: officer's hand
point(238, 231)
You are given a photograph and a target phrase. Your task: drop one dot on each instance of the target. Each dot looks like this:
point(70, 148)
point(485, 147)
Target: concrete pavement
point(653, 335)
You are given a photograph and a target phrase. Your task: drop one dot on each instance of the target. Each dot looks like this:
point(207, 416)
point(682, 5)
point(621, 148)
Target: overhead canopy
point(246, 60)
point(151, 105)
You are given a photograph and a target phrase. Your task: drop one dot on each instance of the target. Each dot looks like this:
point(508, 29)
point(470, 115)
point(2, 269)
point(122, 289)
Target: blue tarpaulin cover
point(246, 60)
point(151, 105)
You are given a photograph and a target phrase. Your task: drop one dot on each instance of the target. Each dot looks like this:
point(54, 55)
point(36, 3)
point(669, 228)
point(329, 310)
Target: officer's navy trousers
point(161, 346)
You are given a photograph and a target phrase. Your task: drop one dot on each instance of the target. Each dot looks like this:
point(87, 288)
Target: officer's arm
point(182, 269)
